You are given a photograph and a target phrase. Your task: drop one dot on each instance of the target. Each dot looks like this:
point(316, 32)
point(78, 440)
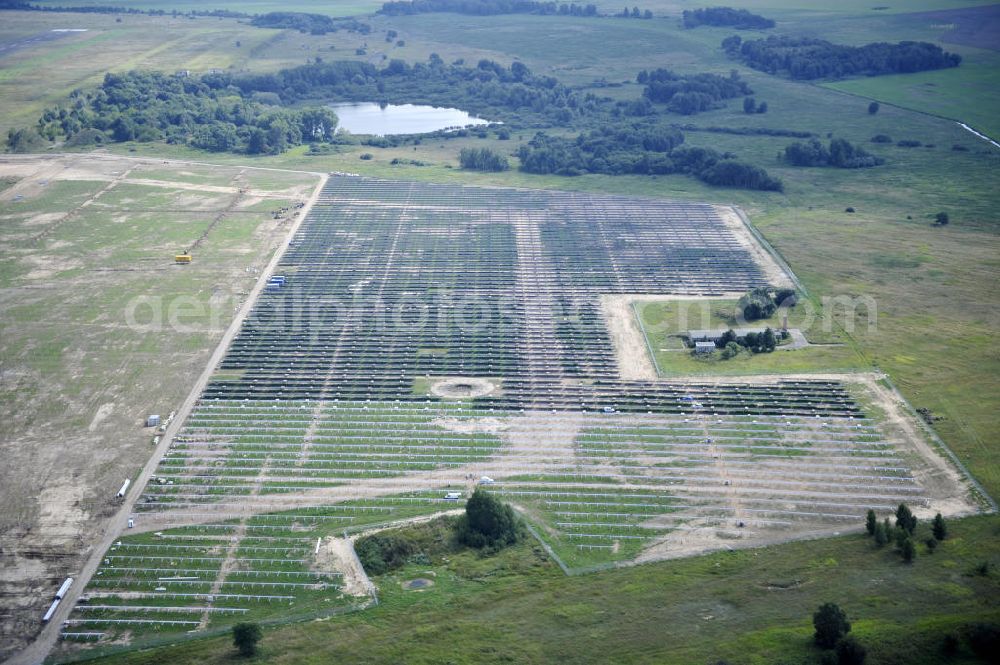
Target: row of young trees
point(807, 58)
point(740, 19)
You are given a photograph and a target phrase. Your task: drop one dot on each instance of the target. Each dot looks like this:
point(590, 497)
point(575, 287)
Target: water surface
point(392, 119)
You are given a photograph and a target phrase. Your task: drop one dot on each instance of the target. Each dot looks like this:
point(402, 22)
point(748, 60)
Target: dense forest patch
point(840, 153)
point(740, 19)
point(314, 24)
point(690, 94)
point(643, 150)
point(251, 113)
point(806, 58)
point(152, 106)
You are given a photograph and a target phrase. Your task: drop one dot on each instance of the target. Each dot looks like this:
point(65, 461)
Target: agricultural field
point(474, 350)
point(99, 328)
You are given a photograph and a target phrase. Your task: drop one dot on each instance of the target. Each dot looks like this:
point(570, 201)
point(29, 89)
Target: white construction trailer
point(121, 492)
point(64, 588)
point(52, 610)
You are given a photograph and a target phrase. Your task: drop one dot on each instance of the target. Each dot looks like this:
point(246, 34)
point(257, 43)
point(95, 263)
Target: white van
point(452, 496)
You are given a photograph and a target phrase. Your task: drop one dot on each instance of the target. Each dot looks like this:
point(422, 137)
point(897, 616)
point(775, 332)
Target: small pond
point(392, 119)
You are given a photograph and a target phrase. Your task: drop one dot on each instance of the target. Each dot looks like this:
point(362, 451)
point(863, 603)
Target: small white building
point(704, 347)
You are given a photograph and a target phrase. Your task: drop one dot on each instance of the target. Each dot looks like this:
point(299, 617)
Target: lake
point(370, 118)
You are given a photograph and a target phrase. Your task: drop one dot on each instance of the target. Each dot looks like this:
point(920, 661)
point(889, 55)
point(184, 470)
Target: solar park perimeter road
point(424, 336)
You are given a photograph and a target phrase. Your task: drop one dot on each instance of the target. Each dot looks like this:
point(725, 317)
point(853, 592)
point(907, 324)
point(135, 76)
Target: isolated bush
point(871, 522)
point(881, 535)
point(939, 528)
point(482, 159)
point(873, 108)
point(488, 523)
point(905, 519)
point(24, 140)
point(831, 624)
point(245, 638)
point(757, 304)
point(366, 156)
point(380, 553)
point(908, 550)
point(932, 544)
point(941, 219)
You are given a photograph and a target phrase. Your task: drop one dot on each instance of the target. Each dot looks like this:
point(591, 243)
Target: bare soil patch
point(774, 273)
point(463, 387)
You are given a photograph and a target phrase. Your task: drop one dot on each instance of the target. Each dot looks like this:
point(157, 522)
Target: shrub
point(849, 209)
point(831, 625)
point(881, 535)
point(731, 350)
point(908, 550)
point(939, 528)
point(482, 159)
point(245, 638)
point(908, 143)
point(881, 138)
point(941, 219)
point(905, 519)
point(488, 523)
point(873, 108)
point(380, 553)
point(871, 522)
point(366, 156)
point(757, 304)
point(24, 140)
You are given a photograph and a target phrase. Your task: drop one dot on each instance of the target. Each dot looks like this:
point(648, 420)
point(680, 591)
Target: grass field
point(664, 322)
point(749, 607)
point(100, 328)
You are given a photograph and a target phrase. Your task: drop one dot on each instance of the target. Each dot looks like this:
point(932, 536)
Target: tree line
point(486, 7)
point(692, 93)
point(314, 24)
point(740, 19)
point(153, 106)
point(117, 9)
point(806, 58)
point(639, 149)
